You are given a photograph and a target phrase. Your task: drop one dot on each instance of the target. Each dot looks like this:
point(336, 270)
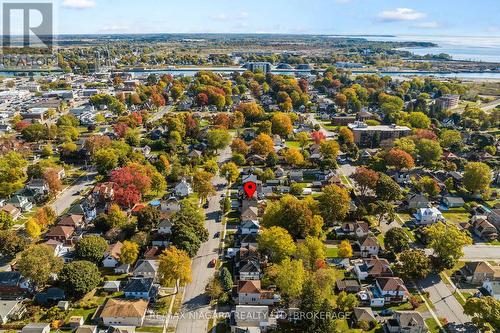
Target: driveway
point(195, 311)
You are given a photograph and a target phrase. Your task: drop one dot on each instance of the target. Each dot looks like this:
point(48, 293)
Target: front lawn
point(332, 252)
point(432, 325)
point(293, 144)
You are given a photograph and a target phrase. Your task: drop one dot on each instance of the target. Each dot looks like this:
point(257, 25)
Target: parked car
point(217, 234)
point(212, 263)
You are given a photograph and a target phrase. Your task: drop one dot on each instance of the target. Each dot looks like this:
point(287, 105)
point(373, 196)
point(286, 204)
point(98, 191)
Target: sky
point(403, 17)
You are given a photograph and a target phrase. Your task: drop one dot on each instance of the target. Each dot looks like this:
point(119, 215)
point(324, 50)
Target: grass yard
point(456, 215)
point(332, 252)
point(149, 329)
point(432, 325)
point(293, 144)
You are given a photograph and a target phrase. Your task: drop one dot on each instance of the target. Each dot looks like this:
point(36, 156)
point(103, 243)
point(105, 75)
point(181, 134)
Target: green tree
point(387, 189)
point(91, 248)
point(396, 240)
point(105, 160)
point(116, 217)
point(202, 184)
point(38, 262)
point(477, 177)
point(334, 203)
point(6, 220)
point(11, 243)
point(413, 264)
point(303, 139)
point(346, 302)
point(218, 139)
point(419, 120)
point(230, 171)
point(281, 124)
point(429, 150)
point(277, 243)
point(226, 279)
point(484, 311)
point(290, 276)
point(79, 277)
point(450, 139)
point(148, 218)
point(312, 252)
point(447, 241)
point(12, 173)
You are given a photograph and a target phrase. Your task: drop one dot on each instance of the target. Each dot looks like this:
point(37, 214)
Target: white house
point(493, 288)
point(249, 227)
point(112, 255)
point(183, 189)
point(431, 215)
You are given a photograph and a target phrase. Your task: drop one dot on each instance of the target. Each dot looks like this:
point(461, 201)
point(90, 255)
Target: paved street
point(66, 198)
point(442, 298)
point(195, 309)
point(481, 252)
point(161, 112)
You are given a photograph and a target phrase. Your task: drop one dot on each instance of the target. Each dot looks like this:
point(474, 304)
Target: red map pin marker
point(250, 188)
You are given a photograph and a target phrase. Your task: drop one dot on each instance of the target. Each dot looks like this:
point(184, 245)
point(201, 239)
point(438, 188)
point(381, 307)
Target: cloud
point(78, 4)
point(428, 25)
point(400, 14)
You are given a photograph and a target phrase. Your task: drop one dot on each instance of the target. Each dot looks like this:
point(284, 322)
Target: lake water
point(477, 48)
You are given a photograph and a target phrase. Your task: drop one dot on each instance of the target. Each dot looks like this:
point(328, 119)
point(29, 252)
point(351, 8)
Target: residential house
point(391, 289)
point(372, 268)
point(104, 192)
point(112, 255)
point(51, 296)
point(251, 319)
point(476, 272)
point(251, 213)
point(21, 202)
point(61, 234)
point(250, 293)
point(123, 312)
point(146, 268)
point(494, 217)
point(72, 220)
point(87, 329)
point(164, 227)
point(111, 286)
point(11, 311)
point(406, 322)
point(170, 206)
point(453, 202)
point(484, 229)
point(416, 201)
point(296, 175)
point(142, 288)
point(13, 285)
point(492, 288)
point(249, 227)
point(359, 229)
point(349, 286)
point(250, 270)
point(367, 247)
point(12, 210)
point(36, 328)
point(425, 216)
point(362, 314)
point(39, 186)
point(183, 189)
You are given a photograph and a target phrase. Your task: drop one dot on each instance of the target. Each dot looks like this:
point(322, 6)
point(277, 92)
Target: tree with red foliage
point(128, 196)
point(399, 159)
point(20, 125)
point(157, 100)
point(137, 117)
point(121, 129)
point(201, 99)
point(304, 85)
point(318, 136)
point(132, 175)
point(366, 179)
point(221, 120)
point(425, 134)
point(192, 125)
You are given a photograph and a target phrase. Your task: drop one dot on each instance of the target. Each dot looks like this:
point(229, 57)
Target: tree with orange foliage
point(52, 179)
point(425, 134)
point(399, 159)
point(239, 146)
point(251, 111)
point(341, 100)
point(318, 136)
point(201, 99)
point(263, 145)
point(345, 135)
point(366, 179)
